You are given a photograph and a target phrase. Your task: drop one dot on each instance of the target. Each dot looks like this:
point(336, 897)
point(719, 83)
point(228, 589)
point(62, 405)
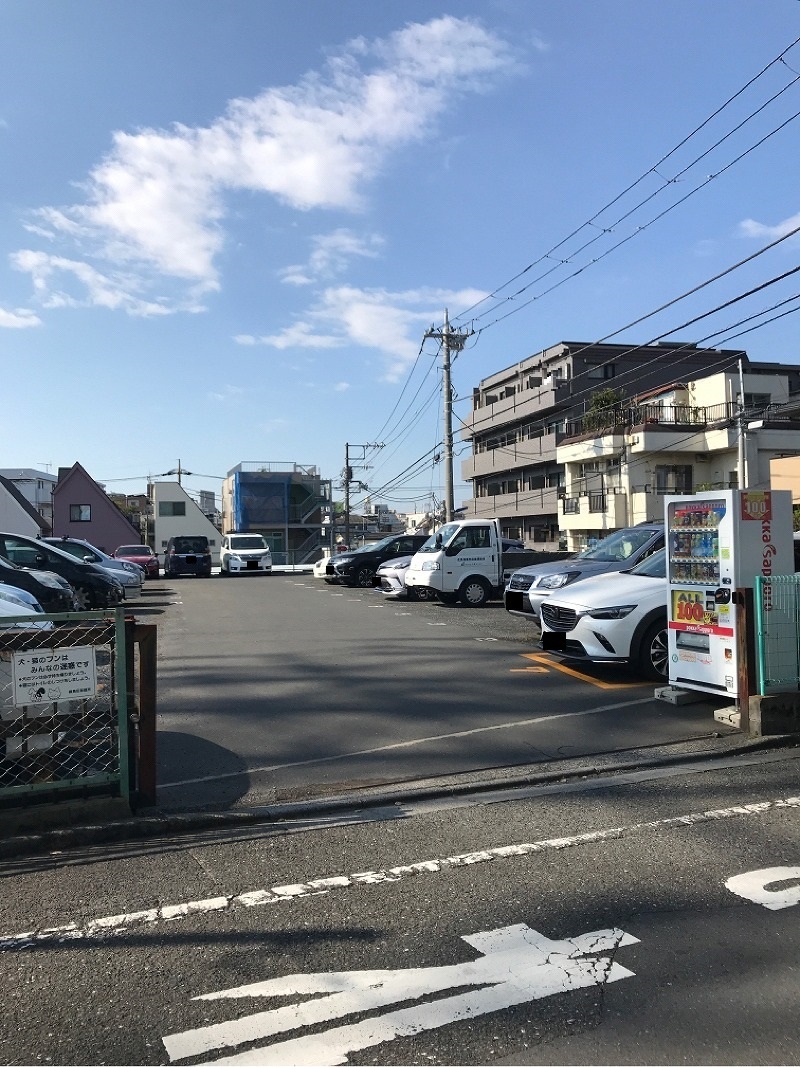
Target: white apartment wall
point(14, 518)
point(193, 522)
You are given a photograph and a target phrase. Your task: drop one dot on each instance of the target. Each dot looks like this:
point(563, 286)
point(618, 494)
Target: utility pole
point(742, 450)
point(347, 475)
point(451, 341)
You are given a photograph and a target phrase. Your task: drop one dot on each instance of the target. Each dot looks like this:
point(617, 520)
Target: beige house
point(680, 439)
point(175, 513)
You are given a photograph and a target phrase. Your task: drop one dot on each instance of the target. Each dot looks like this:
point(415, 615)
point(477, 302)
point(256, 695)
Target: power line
point(592, 221)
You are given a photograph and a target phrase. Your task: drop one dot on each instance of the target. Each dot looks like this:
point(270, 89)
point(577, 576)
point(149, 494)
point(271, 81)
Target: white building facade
point(681, 439)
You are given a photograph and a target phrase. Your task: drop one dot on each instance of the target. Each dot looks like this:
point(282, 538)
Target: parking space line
point(556, 666)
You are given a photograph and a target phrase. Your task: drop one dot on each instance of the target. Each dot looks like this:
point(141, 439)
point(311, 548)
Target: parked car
point(390, 578)
point(320, 568)
point(244, 553)
point(130, 574)
point(93, 587)
point(619, 617)
point(8, 610)
point(20, 598)
point(358, 568)
point(187, 554)
point(529, 587)
point(143, 555)
point(53, 592)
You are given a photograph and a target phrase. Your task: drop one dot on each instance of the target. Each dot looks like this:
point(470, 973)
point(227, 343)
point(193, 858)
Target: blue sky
point(225, 228)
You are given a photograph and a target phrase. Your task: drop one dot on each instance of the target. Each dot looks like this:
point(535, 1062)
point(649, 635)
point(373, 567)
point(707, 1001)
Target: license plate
point(252, 564)
point(514, 602)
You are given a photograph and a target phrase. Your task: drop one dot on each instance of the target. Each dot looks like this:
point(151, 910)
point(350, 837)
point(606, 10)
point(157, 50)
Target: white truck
point(468, 561)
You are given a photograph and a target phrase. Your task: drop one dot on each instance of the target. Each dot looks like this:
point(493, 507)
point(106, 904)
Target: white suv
point(244, 553)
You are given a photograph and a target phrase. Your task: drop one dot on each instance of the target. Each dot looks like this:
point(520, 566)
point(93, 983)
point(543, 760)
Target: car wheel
point(364, 577)
point(654, 652)
point(422, 592)
point(473, 593)
point(83, 599)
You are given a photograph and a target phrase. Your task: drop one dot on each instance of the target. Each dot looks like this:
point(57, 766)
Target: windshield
point(78, 551)
point(439, 540)
point(372, 546)
point(248, 541)
point(190, 544)
point(617, 547)
point(654, 566)
point(134, 550)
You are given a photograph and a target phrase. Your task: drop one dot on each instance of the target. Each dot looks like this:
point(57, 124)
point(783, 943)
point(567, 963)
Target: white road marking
point(401, 744)
point(516, 965)
point(316, 886)
point(754, 886)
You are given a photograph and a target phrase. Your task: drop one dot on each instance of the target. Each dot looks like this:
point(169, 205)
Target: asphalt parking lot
point(283, 688)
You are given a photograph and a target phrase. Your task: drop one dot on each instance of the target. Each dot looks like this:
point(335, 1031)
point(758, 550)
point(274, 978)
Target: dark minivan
point(187, 554)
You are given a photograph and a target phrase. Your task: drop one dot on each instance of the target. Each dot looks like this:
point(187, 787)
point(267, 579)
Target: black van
point(187, 554)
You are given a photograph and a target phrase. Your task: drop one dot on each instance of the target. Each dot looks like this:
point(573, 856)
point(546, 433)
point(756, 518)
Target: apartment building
point(679, 439)
point(522, 414)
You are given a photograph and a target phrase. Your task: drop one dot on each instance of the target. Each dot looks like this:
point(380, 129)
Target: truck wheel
point(654, 654)
point(474, 593)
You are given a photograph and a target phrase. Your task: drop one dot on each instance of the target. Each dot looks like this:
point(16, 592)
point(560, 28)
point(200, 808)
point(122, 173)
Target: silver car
point(130, 575)
point(529, 586)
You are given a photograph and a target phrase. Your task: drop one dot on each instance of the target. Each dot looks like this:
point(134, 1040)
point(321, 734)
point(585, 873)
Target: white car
point(613, 618)
point(244, 553)
point(390, 578)
point(21, 612)
point(130, 575)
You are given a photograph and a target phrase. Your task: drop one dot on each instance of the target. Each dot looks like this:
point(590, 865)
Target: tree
point(603, 409)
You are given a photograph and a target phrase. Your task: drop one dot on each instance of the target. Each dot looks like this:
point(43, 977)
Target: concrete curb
point(164, 824)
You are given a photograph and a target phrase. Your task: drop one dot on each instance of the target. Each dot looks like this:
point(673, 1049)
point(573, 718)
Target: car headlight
point(431, 565)
point(130, 567)
point(553, 581)
point(234, 556)
point(613, 612)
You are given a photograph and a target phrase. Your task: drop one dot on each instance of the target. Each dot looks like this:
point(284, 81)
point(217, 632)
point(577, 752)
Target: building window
point(168, 509)
point(80, 513)
point(674, 480)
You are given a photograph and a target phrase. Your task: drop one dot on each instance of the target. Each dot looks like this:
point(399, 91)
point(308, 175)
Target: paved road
point(625, 922)
point(283, 688)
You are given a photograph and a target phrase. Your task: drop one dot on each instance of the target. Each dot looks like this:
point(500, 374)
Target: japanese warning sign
point(48, 674)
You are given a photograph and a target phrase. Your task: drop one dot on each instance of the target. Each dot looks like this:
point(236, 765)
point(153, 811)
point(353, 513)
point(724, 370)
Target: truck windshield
point(618, 546)
point(441, 538)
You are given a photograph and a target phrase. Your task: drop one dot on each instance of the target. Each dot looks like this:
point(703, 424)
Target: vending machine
point(716, 544)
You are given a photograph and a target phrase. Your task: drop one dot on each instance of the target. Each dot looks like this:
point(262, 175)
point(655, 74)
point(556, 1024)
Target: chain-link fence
point(63, 706)
point(777, 602)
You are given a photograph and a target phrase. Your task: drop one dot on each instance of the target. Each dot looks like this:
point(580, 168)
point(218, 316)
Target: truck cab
point(465, 562)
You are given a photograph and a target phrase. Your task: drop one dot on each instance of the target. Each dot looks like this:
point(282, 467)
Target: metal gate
point(777, 602)
point(63, 706)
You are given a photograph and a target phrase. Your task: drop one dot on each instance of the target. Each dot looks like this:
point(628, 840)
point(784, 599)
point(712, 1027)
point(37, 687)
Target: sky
point(226, 228)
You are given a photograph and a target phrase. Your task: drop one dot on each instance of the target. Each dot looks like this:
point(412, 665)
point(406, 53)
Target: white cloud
point(18, 319)
point(59, 282)
point(751, 228)
point(157, 202)
point(390, 323)
point(229, 392)
point(341, 387)
point(331, 254)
